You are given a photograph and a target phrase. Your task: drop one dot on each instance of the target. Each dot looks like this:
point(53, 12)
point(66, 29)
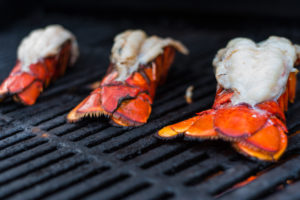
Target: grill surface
point(44, 157)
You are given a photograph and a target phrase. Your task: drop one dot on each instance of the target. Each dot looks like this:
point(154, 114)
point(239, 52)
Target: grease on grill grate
point(43, 157)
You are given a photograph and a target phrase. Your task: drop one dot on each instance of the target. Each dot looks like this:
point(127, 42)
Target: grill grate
point(44, 157)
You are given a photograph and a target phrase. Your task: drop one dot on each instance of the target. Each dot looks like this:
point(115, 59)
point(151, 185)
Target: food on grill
point(138, 64)
point(43, 56)
point(189, 94)
point(255, 83)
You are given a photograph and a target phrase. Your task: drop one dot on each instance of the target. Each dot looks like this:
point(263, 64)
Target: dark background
point(209, 12)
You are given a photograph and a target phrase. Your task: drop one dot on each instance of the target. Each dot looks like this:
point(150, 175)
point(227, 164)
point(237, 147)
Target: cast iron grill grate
point(44, 157)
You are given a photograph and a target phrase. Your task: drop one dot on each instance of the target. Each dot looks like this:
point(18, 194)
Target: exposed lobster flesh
point(42, 57)
point(138, 64)
point(255, 83)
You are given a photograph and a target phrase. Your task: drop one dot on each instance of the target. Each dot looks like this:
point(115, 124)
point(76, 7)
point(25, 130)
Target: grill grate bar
point(10, 132)
point(291, 192)
point(293, 117)
point(26, 156)
point(53, 123)
point(82, 133)
point(29, 112)
point(14, 150)
point(261, 186)
point(77, 76)
point(180, 90)
point(102, 136)
point(195, 175)
point(138, 148)
point(178, 103)
point(9, 106)
point(232, 176)
point(173, 150)
point(14, 139)
point(125, 190)
point(33, 179)
point(90, 185)
point(67, 86)
point(66, 128)
point(73, 73)
point(206, 175)
point(175, 159)
point(186, 162)
point(134, 135)
point(36, 120)
point(294, 144)
point(63, 182)
point(182, 78)
point(153, 193)
point(22, 170)
point(169, 86)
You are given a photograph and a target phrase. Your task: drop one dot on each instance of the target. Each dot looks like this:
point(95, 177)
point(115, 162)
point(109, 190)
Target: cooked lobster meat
point(42, 57)
point(138, 65)
point(255, 83)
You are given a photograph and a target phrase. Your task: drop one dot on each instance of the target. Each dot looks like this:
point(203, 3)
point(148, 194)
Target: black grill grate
point(44, 157)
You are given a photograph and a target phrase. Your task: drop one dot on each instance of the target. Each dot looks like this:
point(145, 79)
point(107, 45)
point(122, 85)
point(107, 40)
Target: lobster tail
point(255, 84)
point(138, 65)
point(26, 86)
point(258, 131)
point(43, 56)
point(127, 103)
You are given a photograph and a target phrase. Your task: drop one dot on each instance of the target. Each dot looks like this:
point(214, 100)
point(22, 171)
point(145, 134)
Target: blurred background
point(220, 12)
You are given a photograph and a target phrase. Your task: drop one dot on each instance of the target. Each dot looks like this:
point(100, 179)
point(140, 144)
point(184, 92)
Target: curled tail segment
point(127, 103)
point(258, 131)
point(25, 86)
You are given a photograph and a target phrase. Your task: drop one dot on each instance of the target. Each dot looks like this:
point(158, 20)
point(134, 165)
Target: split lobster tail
point(38, 65)
point(138, 65)
point(255, 130)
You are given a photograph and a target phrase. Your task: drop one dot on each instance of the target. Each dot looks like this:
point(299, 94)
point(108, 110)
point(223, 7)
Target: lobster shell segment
point(238, 121)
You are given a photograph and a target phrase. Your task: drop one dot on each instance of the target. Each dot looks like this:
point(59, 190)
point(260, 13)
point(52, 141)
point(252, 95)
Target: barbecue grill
point(44, 157)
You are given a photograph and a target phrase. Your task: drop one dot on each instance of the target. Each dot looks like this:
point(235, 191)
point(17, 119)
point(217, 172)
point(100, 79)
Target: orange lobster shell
point(26, 86)
point(127, 103)
point(257, 131)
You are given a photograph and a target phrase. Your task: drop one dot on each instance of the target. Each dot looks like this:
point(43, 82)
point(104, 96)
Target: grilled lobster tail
point(126, 94)
point(27, 81)
point(25, 87)
point(256, 130)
